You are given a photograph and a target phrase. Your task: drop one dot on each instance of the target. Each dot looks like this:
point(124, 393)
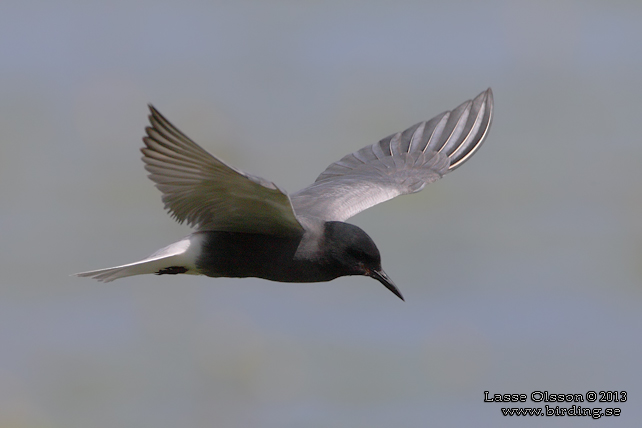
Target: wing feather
point(207, 193)
point(400, 164)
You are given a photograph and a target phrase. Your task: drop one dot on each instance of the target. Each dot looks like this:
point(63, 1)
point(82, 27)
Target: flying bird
point(247, 226)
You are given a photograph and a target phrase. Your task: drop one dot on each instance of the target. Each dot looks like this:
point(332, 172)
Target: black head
point(356, 253)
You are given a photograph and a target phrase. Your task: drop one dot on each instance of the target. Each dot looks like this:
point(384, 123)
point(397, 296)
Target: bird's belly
point(240, 255)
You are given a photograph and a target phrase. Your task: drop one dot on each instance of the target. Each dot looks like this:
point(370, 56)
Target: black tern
point(248, 227)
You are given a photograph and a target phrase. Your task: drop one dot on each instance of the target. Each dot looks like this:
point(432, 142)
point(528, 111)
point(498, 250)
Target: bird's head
point(356, 253)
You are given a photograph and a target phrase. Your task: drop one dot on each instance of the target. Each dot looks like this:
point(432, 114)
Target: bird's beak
point(383, 278)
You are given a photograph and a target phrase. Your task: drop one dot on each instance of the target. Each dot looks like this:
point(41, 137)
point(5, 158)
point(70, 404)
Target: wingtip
point(483, 106)
point(490, 103)
point(489, 97)
point(153, 112)
point(486, 97)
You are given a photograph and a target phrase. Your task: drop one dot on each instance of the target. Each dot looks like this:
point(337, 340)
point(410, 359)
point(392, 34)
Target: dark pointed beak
point(383, 278)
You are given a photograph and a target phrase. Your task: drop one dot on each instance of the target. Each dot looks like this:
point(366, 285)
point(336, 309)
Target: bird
point(246, 226)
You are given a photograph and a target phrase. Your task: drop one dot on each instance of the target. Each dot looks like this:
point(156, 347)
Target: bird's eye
point(359, 254)
point(356, 253)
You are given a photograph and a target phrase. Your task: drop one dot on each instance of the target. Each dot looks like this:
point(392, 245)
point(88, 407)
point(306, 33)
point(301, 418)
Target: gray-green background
point(522, 270)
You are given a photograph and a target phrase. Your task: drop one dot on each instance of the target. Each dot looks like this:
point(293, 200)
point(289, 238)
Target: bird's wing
point(400, 164)
point(206, 192)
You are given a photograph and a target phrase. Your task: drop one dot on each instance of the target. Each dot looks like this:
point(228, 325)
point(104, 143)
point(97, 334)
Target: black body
point(338, 252)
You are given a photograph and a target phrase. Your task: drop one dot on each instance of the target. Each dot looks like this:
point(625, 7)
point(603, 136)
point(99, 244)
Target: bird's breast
point(276, 258)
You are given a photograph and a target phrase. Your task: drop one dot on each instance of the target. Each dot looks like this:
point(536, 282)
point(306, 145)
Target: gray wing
point(207, 193)
point(400, 164)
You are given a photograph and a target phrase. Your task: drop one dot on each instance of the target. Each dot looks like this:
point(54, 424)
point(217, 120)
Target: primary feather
point(208, 193)
point(399, 164)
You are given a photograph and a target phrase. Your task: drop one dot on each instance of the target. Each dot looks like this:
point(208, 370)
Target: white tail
point(179, 254)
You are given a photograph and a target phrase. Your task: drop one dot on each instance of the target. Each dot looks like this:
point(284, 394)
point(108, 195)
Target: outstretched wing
point(400, 164)
point(206, 192)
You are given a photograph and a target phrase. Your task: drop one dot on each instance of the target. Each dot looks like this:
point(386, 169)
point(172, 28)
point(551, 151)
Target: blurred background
point(522, 271)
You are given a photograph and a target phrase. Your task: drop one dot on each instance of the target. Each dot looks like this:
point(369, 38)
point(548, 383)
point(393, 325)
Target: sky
point(521, 270)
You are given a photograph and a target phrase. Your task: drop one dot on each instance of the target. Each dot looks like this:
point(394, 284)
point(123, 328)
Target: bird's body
point(248, 227)
point(277, 258)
